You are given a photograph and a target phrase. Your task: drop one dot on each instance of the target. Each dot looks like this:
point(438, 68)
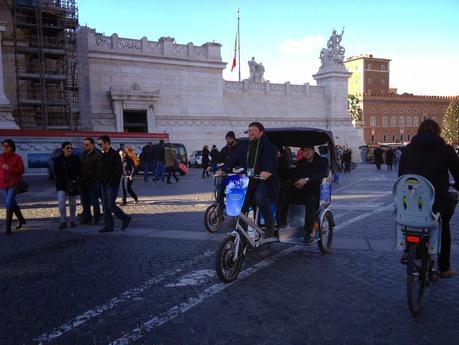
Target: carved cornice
point(134, 93)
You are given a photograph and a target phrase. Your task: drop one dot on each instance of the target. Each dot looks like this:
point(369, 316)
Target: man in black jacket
point(158, 160)
point(309, 173)
point(259, 158)
point(147, 159)
point(110, 176)
point(90, 167)
point(428, 155)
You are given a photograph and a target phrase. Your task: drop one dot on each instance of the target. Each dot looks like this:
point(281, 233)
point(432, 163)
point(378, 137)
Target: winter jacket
point(111, 168)
point(205, 158)
point(147, 153)
point(214, 154)
point(315, 170)
point(428, 155)
point(66, 169)
point(170, 157)
point(9, 177)
point(90, 166)
point(128, 166)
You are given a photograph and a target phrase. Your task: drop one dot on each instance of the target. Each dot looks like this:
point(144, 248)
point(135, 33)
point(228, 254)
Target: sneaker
point(448, 274)
point(136, 201)
point(105, 230)
point(126, 223)
point(62, 226)
point(73, 225)
point(308, 238)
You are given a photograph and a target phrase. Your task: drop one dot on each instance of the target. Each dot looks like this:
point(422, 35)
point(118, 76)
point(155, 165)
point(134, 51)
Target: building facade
point(386, 116)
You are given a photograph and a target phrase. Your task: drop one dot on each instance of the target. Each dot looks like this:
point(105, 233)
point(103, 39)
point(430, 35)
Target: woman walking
point(171, 162)
point(128, 177)
point(11, 171)
point(205, 161)
point(67, 169)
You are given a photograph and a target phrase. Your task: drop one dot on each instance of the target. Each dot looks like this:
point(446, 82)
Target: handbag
point(183, 168)
point(21, 186)
point(73, 187)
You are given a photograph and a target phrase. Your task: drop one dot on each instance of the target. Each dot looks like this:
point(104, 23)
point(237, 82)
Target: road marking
point(177, 310)
point(195, 278)
point(100, 309)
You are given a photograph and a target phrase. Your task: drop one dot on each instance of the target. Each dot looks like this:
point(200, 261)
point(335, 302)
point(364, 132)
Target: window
point(384, 110)
point(401, 122)
point(373, 121)
point(135, 120)
point(415, 110)
point(385, 121)
point(434, 110)
point(383, 92)
point(372, 138)
point(385, 138)
point(373, 110)
point(424, 117)
point(401, 110)
point(408, 137)
point(408, 110)
point(393, 121)
point(393, 138)
point(393, 110)
point(383, 67)
point(401, 137)
point(409, 123)
point(415, 121)
point(369, 66)
point(383, 82)
point(369, 81)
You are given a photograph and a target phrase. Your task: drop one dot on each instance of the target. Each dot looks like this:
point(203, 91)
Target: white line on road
point(98, 310)
point(172, 313)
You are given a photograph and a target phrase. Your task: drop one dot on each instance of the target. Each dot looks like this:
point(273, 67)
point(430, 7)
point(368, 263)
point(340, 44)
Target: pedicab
point(248, 233)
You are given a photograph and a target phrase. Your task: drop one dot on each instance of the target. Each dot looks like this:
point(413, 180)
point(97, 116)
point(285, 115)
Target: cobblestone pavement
point(155, 283)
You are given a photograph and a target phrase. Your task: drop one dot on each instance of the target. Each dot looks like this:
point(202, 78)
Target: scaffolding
point(44, 33)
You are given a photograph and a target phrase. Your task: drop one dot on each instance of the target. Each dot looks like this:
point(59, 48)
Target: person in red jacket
point(11, 171)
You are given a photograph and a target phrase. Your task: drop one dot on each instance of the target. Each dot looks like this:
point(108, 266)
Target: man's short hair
point(307, 146)
point(258, 125)
point(230, 134)
point(104, 138)
point(10, 143)
point(91, 140)
point(65, 143)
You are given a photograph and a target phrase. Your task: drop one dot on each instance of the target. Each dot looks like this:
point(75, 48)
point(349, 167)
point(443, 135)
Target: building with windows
point(386, 115)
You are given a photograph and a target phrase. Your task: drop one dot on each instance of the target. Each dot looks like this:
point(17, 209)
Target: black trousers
point(312, 205)
point(126, 185)
point(171, 171)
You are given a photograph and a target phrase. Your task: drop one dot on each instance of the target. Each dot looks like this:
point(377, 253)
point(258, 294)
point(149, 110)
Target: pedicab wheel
point(326, 233)
point(213, 218)
point(416, 279)
point(227, 268)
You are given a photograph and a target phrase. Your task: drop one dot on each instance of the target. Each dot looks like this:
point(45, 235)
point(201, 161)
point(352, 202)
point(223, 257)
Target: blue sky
point(420, 37)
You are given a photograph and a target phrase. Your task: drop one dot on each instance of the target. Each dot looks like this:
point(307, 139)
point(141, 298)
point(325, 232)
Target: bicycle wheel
point(213, 218)
point(228, 269)
point(416, 270)
point(326, 233)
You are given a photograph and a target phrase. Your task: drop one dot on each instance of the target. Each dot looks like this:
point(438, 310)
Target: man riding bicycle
point(259, 158)
point(428, 155)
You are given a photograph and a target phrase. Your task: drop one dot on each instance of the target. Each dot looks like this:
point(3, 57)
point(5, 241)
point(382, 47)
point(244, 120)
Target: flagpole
point(239, 43)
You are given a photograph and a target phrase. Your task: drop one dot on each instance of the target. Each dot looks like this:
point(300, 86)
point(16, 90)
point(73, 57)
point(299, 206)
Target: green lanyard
point(256, 155)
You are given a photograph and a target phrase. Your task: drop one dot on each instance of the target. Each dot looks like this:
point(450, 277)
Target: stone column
point(151, 120)
point(6, 110)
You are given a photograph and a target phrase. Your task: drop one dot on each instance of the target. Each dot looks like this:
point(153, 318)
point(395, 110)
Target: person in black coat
point(259, 158)
point(147, 159)
point(378, 157)
point(214, 156)
point(127, 178)
point(110, 177)
point(205, 161)
point(309, 173)
point(67, 168)
point(428, 155)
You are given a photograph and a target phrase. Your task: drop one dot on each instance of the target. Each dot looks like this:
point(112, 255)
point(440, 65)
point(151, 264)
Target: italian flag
point(235, 50)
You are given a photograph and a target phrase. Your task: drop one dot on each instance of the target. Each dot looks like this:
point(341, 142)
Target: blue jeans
point(10, 197)
point(109, 194)
point(159, 170)
point(147, 167)
point(62, 199)
point(90, 197)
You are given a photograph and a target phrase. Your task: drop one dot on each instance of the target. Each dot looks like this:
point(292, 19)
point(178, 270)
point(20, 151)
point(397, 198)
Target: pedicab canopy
point(300, 136)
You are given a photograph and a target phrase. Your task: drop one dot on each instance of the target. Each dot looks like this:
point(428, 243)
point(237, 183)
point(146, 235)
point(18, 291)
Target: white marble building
point(179, 89)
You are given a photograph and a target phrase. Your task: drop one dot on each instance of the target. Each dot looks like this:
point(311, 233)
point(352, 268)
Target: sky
point(419, 37)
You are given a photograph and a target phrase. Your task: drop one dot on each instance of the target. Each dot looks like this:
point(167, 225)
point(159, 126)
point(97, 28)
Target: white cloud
point(308, 45)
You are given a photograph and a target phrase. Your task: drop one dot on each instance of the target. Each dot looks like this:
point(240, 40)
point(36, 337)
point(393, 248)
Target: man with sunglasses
point(90, 166)
point(111, 170)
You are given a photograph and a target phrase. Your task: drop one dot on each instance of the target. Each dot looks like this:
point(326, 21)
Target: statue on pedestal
point(257, 71)
point(334, 53)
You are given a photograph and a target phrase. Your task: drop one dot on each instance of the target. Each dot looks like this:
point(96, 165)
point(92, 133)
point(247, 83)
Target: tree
point(450, 126)
point(354, 107)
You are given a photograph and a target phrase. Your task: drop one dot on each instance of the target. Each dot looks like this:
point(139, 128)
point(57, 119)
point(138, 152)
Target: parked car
point(196, 159)
point(56, 153)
